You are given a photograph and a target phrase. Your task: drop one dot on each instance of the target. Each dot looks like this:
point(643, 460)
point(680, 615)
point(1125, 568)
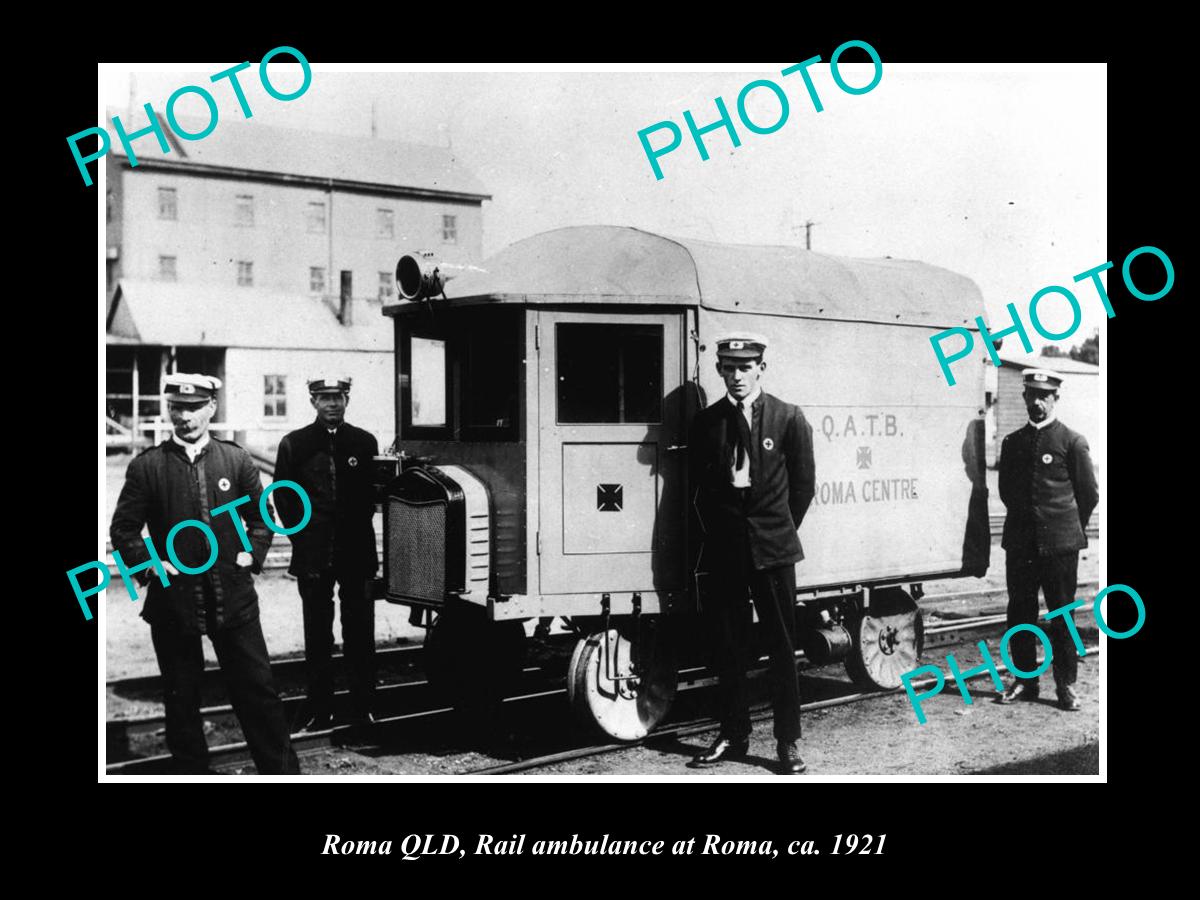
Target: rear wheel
point(887, 641)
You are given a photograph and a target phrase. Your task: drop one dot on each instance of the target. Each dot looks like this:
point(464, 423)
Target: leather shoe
point(720, 751)
point(790, 762)
point(1018, 690)
point(1067, 701)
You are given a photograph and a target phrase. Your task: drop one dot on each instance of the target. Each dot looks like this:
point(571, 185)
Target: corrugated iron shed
point(213, 315)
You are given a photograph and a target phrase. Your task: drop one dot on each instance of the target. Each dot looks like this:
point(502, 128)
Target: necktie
point(743, 434)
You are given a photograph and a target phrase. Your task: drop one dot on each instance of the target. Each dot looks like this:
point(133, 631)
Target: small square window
point(316, 280)
point(609, 373)
point(275, 396)
point(168, 207)
point(450, 229)
point(245, 211)
point(166, 268)
point(385, 285)
point(315, 217)
point(385, 223)
point(245, 276)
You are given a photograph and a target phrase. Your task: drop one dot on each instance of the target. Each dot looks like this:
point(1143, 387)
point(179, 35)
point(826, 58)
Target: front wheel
point(621, 682)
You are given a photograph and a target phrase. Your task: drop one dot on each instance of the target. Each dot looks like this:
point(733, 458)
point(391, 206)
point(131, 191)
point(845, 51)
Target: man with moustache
point(1048, 486)
point(752, 475)
point(195, 476)
point(332, 461)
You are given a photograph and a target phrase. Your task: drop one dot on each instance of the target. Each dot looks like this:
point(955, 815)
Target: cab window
point(461, 377)
point(428, 383)
point(609, 373)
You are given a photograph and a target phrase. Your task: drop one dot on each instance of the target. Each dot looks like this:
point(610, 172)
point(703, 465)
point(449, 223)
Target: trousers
point(726, 610)
point(358, 638)
point(246, 669)
point(1056, 574)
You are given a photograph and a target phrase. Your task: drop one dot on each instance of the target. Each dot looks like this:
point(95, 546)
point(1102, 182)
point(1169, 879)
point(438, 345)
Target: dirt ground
point(879, 736)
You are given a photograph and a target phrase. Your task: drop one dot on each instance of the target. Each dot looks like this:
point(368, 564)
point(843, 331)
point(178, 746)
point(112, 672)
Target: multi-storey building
point(261, 255)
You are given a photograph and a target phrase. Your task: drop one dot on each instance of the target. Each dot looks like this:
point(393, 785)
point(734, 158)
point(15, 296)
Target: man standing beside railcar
point(332, 461)
point(752, 475)
point(195, 477)
point(1049, 488)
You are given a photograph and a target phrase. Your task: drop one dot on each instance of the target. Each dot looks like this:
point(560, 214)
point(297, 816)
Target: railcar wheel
point(606, 694)
point(887, 642)
point(471, 661)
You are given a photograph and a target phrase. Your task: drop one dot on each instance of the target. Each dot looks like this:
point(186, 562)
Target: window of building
point(245, 211)
point(385, 285)
point(166, 268)
point(316, 279)
point(275, 396)
point(168, 204)
point(109, 202)
point(245, 273)
point(315, 217)
point(385, 223)
point(450, 229)
point(609, 373)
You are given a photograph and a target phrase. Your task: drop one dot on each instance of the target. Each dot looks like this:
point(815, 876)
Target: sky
point(995, 172)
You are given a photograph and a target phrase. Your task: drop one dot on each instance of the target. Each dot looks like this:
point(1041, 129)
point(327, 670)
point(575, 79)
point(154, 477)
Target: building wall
point(371, 396)
point(114, 178)
point(1078, 407)
point(208, 242)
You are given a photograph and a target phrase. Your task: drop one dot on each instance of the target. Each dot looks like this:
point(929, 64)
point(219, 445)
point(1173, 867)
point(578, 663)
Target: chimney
point(346, 315)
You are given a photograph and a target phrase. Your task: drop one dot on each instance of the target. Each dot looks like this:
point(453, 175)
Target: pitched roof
point(607, 264)
point(250, 147)
point(215, 315)
point(1064, 364)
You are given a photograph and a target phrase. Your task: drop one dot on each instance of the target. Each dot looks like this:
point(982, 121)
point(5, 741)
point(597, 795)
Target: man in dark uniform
point(752, 475)
point(191, 475)
point(1048, 485)
point(332, 461)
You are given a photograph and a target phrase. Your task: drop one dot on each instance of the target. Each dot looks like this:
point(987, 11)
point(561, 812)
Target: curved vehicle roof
point(610, 264)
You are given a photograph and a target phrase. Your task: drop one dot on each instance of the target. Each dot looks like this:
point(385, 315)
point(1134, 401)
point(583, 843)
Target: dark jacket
point(162, 488)
point(782, 474)
point(1048, 485)
point(336, 473)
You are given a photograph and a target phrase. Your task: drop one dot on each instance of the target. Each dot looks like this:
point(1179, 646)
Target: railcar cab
point(538, 476)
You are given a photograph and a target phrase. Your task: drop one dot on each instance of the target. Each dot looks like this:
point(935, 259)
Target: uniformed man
point(188, 476)
point(1048, 485)
point(332, 461)
point(752, 475)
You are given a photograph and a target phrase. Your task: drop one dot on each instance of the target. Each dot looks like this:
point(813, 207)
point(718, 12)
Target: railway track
point(698, 726)
point(411, 702)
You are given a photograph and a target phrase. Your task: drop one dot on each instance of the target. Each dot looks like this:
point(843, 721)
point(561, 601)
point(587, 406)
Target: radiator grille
point(416, 552)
